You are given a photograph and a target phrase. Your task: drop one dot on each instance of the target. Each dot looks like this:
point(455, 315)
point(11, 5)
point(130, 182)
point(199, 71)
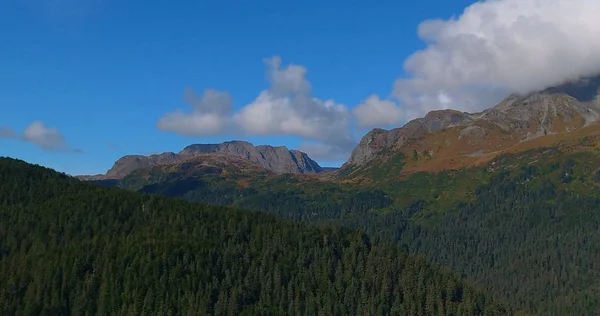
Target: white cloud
point(48, 139)
point(498, 47)
point(211, 101)
point(287, 107)
point(374, 112)
point(210, 114)
point(321, 151)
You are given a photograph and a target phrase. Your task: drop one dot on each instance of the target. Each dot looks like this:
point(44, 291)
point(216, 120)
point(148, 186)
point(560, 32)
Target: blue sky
point(95, 77)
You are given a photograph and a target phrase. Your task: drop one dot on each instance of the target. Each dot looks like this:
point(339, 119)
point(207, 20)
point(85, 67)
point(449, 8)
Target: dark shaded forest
point(528, 236)
point(73, 248)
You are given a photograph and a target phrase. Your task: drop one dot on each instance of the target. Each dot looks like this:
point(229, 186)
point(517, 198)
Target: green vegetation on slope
point(524, 228)
point(74, 248)
point(284, 195)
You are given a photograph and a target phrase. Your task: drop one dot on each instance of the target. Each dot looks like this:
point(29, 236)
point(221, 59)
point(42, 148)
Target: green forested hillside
point(286, 196)
point(74, 248)
point(524, 228)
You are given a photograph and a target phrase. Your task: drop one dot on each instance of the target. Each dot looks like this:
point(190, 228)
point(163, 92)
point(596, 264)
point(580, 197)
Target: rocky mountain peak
point(548, 111)
point(518, 118)
point(275, 159)
point(378, 139)
point(126, 164)
point(583, 90)
point(438, 120)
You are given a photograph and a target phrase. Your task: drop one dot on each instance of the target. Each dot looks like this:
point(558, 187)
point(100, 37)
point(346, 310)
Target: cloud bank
point(48, 139)
point(499, 47)
point(211, 113)
point(287, 107)
point(376, 112)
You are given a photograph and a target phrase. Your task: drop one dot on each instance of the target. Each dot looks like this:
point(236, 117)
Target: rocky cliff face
point(275, 159)
point(517, 119)
point(378, 140)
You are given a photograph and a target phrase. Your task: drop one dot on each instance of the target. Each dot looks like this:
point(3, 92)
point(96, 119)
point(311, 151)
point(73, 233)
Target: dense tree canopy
point(525, 233)
point(74, 248)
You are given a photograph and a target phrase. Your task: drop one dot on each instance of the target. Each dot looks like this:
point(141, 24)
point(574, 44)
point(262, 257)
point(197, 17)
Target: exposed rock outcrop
point(517, 118)
point(275, 159)
point(378, 139)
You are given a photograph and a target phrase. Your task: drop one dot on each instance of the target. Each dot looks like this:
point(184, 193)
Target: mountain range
point(449, 139)
point(442, 140)
point(507, 197)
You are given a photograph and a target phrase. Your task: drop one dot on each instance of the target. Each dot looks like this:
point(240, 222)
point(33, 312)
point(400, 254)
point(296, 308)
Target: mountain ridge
point(430, 140)
point(539, 194)
point(274, 159)
point(528, 196)
point(451, 133)
point(493, 195)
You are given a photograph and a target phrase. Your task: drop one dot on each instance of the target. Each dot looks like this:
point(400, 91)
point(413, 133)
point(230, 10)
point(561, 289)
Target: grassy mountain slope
point(524, 227)
point(74, 248)
point(391, 166)
point(449, 139)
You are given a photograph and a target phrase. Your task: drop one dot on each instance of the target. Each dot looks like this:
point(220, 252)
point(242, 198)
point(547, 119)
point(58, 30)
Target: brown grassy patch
point(244, 183)
point(470, 152)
